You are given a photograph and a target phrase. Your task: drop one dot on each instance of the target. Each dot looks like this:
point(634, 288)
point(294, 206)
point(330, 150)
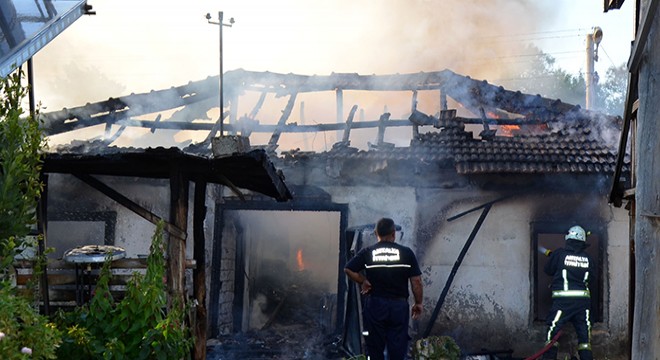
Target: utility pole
point(592, 55)
point(220, 26)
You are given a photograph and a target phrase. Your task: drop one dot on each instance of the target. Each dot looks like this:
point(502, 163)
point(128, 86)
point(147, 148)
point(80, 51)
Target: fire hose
point(547, 347)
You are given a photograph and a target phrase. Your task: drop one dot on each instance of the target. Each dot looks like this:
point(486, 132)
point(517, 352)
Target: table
point(83, 257)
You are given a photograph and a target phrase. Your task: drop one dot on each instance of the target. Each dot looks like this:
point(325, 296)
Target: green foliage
point(611, 93)
point(541, 75)
point(21, 143)
point(137, 327)
point(22, 327)
point(436, 348)
point(24, 333)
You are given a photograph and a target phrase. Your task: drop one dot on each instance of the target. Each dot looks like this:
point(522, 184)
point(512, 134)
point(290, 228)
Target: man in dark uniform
point(388, 269)
point(570, 268)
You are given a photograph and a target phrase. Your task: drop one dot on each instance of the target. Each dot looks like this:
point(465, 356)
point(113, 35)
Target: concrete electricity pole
point(592, 55)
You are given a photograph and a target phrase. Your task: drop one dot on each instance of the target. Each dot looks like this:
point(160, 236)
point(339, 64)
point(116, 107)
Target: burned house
point(483, 181)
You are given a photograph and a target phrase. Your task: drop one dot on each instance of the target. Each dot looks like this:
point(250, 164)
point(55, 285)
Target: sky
point(137, 46)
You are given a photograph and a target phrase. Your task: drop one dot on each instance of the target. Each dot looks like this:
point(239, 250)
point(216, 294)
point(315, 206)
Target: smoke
point(156, 44)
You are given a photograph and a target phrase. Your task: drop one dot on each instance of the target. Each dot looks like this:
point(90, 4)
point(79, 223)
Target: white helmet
point(576, 233)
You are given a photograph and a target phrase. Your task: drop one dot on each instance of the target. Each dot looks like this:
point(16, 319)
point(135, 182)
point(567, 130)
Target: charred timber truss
point(493, 104)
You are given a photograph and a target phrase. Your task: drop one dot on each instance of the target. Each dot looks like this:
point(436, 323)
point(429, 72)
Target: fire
point(299, 258)
point(508, 130)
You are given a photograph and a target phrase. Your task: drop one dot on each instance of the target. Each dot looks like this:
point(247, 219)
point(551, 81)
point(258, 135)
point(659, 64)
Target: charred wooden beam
point(156, 121)
point(454, 269)
point(285, 116)
point(128, 106)
point(216, 127)
point(199, 273)
point(349, 124)
point(382, 125)
point(129, 204)
point(469, 92)
point(258, 105)
point(413, 108)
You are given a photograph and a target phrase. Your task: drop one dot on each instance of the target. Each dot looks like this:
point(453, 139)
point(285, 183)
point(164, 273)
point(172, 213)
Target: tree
point(541, 75)
point(611, 94)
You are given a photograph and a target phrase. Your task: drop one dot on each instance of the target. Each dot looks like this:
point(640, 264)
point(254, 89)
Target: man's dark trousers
point(386, 321)
point(575, 310)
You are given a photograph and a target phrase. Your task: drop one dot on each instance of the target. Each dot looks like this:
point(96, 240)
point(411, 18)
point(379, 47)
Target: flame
point(299, 258)
point(493, 115)
point(508, 130)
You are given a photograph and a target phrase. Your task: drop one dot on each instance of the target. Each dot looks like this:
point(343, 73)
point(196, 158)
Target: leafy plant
point(137, 327)
point(24, 333)
point(21, 144)
point(436, 348)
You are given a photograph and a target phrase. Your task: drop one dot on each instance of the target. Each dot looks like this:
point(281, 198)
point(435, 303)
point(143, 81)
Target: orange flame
point(508, 130)
point(299, 258)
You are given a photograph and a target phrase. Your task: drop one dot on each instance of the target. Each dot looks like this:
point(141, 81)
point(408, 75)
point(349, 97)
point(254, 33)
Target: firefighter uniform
point(571, 269)
point(388, 266)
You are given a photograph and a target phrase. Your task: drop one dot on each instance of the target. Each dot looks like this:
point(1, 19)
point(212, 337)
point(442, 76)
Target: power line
point(534, 55)
point(608, 56)
point(535, 38)
point(534, 33)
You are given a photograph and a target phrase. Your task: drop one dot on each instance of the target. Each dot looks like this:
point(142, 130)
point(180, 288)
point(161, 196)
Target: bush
point(137, 327)
point(23, 332)
point(436, 348)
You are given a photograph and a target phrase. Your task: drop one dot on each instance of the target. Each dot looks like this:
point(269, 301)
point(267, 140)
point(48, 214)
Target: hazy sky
point(136, 46)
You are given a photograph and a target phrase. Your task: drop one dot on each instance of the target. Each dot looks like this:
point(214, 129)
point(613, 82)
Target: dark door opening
point(551, 236)
point(285, 270)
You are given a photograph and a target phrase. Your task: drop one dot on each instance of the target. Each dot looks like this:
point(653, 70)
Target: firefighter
point(571, 269)
point(388, 267)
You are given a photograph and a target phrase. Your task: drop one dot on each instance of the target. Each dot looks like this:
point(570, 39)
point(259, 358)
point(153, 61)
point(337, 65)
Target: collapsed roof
point(542, 135)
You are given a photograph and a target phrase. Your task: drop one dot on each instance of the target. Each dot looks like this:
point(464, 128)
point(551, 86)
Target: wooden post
point(382, 125)
point(646, 328)
point(339, 94)
point(413, 107)
point(199, 273)
point(42, 229)
point(176, 248)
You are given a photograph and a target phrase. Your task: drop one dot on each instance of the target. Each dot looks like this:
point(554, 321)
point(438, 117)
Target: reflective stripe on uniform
point(570, 293)
point(588, 320)
point(387, 266)
point(553, 326)
point(584, 346)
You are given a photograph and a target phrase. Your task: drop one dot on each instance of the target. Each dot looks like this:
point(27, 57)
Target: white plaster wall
point(368, 204)
point(492, 285)
point(491, 298)
point(132, 232)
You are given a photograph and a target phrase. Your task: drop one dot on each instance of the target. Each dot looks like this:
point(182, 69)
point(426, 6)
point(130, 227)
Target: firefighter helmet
point(576, 233)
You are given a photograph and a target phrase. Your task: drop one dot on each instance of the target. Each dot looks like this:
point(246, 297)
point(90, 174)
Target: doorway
point(286, 266)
